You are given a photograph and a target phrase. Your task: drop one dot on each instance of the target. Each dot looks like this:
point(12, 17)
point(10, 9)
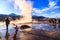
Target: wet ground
point(38, 35)
point(37, 32)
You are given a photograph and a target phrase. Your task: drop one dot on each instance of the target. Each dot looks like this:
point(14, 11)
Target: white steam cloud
point(26, 9)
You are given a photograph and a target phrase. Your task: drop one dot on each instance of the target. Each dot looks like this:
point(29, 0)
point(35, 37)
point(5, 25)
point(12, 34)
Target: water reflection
point(3, 30)
point(34, 26)
point(42, 26)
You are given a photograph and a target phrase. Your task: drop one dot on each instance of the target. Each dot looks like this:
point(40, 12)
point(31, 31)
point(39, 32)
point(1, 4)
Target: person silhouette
point(7, 21)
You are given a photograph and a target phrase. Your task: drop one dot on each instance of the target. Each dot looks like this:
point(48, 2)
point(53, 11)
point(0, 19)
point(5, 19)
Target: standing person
point(7, 21)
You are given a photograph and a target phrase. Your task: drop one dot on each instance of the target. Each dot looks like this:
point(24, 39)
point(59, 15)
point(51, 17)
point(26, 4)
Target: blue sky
point(47, 8)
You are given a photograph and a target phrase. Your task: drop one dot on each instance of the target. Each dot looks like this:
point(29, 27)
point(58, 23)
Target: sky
point(47, 8)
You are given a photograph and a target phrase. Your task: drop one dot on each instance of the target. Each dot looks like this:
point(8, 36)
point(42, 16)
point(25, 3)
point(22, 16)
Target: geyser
point(26, 9)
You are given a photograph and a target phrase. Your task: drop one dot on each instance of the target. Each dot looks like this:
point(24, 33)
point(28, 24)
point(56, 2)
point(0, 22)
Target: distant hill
point(38, 17)
point(12, 14)
point(2, 14)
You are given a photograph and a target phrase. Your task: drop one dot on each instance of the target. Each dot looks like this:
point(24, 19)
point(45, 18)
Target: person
point(14, 37)
point(7, 21)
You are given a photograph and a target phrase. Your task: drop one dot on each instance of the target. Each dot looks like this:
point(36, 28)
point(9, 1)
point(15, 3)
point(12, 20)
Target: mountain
point(2, 14)
point(12, 14)
point(38, 16)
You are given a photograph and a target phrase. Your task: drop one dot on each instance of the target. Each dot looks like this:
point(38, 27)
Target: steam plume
point(26, 9)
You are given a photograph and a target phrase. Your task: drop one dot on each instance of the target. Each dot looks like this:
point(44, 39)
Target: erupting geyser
point(26, 9)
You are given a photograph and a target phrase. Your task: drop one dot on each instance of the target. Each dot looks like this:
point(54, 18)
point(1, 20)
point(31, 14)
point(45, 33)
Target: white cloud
point(57, 15)
point(48, 10)
point(7, 7)
point(10, 0)
point(52, 3)
point(36, 10)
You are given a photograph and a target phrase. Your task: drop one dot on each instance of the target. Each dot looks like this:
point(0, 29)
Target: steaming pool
point(34, 26)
